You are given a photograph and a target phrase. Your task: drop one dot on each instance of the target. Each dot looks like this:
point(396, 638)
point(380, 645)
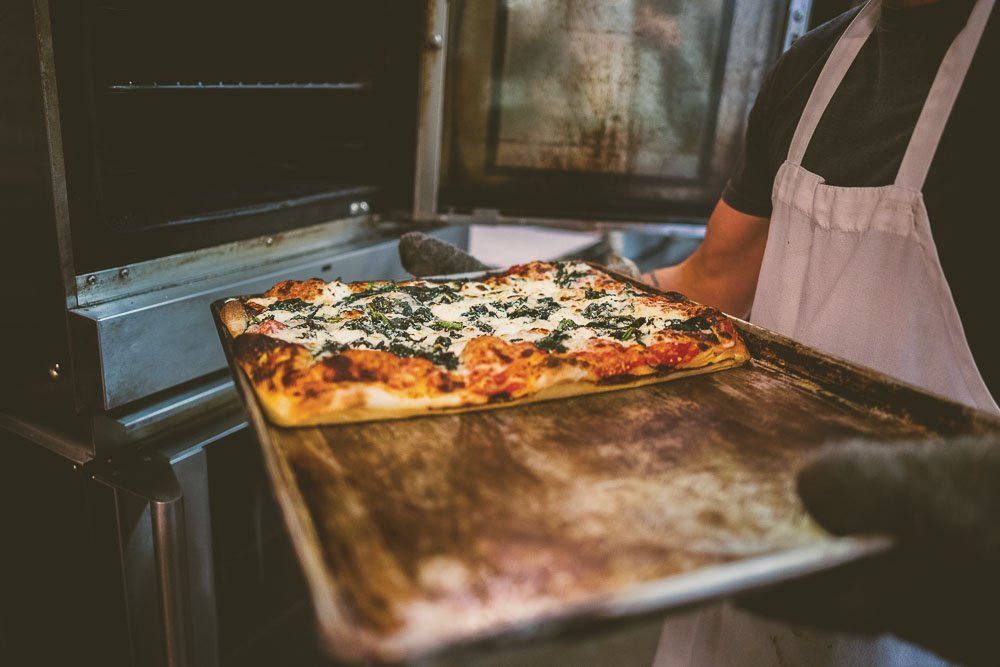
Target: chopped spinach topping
point(445, 325)
point(373, 289)
point(596, 311)
point(696, 323)
point(519, 308)
point(384, 304)
point(437, 354)
point(431, 294)
point(259, 319)
point(592, 293)
point(477, 311)
point(330, 347)
point(423, 314)
point(553, 342)
point(564, 276)
point(567, 325)
point(291, 305)
point(620, 327)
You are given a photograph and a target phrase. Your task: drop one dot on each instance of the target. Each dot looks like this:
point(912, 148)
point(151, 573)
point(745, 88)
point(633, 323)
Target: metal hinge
point(798, 21)
point(486, 216)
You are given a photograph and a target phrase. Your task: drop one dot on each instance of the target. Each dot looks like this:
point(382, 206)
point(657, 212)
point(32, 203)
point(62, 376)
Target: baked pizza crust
point(274, 368)
point(234, 316)
point(283, 411)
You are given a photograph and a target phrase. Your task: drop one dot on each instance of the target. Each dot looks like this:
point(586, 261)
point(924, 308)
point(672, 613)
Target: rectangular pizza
point(324, 353)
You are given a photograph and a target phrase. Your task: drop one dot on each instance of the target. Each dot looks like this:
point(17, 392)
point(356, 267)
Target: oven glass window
point(623, 90)
point(618, 104)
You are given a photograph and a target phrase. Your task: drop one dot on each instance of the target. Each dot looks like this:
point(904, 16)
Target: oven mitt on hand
point(623, 265)
point(940, 588)
point(423, 255)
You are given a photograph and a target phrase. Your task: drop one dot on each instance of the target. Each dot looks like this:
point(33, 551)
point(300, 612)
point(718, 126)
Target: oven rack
point(131, 86)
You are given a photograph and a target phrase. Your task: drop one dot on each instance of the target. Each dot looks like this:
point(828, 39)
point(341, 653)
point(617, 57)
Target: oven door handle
point(147, 477)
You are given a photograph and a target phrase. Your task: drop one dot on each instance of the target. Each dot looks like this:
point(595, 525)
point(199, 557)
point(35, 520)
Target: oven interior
point(190, 124)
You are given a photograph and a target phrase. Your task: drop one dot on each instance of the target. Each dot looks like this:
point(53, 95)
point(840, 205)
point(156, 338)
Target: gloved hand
point(423, 255)
point(940, 588)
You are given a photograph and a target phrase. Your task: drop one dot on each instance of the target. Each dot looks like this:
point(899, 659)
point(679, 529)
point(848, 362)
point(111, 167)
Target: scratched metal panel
point(433, 534)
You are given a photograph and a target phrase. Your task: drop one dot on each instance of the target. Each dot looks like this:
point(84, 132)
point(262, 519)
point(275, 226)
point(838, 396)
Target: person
point(856, 222)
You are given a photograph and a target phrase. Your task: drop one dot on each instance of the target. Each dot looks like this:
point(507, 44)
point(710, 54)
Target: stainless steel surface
point(798, 21)
point(151, 522)
point(134, 346)
point(210, 398)
point(191, 470)
point(47, 435)
point(692, 227)
point(751, 55)
point(53, 135)
point(239, 85)
point(430, 113)
point(170, 551)
point(228, 258)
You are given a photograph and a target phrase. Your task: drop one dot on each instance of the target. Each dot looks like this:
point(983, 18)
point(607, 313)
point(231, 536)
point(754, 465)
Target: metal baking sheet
point(425, 536)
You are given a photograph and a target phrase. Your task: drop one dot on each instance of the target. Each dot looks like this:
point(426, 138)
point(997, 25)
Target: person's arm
point(723, 271)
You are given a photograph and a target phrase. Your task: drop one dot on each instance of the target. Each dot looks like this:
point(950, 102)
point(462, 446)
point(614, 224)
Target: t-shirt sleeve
point(749, 187)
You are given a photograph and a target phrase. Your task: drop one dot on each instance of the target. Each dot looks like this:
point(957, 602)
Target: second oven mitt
point(940, 588)
point(423, 255)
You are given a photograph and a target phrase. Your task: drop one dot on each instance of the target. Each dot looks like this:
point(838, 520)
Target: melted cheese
point(425, 318)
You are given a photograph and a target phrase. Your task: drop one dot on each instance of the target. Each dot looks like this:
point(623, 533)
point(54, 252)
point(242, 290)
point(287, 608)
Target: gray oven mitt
point(940, 588)
point(424, 255)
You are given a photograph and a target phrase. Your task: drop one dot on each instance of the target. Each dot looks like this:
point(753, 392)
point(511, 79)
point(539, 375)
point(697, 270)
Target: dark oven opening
point(189, 124)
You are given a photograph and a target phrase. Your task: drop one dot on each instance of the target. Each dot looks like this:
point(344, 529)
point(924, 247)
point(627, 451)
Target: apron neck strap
point(843, 54)
point(941, 99)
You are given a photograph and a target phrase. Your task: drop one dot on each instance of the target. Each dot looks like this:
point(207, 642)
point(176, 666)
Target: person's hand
point(423, 255)
point(940, 588)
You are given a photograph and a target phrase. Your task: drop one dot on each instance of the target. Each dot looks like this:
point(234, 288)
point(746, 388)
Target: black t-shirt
point(863, 134)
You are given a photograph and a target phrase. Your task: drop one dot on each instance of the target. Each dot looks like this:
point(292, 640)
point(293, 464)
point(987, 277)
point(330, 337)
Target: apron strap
point(833, 73)
point(940, 100)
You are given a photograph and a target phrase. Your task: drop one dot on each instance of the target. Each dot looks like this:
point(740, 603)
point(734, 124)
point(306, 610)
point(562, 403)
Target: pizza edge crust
point(235, 317)
point(284, 410)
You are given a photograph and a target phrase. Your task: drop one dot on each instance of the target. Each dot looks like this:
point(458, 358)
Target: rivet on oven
point(268, 240)
point(363, 206)
point(437, 40)
point(355, 208)
point(91, 280)
point(55, 370)
point(123, 273)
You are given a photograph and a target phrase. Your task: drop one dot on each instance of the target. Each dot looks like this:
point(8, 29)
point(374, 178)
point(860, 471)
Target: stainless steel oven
point(155, 157)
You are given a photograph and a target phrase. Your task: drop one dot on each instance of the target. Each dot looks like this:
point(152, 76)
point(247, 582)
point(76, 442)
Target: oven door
point(592, 115)
point(186, 125)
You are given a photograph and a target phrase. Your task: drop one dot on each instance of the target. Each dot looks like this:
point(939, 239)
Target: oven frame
point(763, 39)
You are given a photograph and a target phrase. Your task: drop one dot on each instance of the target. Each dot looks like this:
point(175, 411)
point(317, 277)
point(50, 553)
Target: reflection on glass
point(611, 86)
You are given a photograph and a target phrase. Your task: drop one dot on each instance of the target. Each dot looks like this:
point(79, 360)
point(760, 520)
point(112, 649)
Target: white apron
point(853, 272)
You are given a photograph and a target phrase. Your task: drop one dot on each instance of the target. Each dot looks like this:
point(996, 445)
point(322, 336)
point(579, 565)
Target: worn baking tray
point(425, 536)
